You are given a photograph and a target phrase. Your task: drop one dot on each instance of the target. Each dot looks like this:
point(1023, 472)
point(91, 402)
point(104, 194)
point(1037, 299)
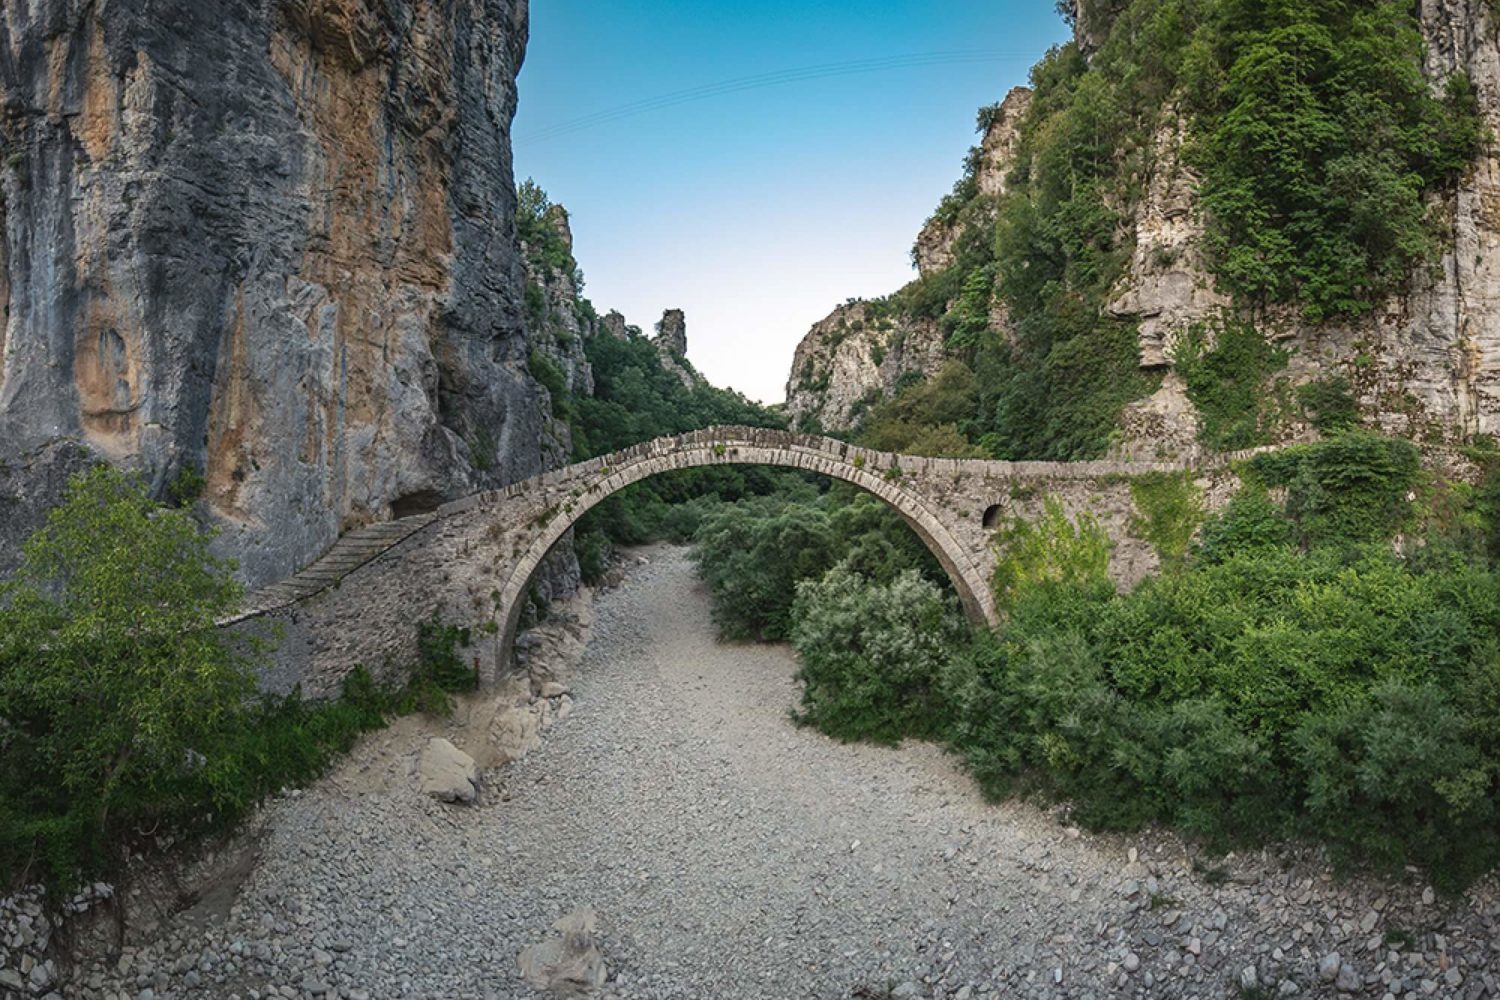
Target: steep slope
point(1208, 226)
point(266, 247)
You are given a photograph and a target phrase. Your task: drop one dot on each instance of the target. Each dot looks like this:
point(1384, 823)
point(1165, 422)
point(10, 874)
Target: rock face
point(1423, 364)
point(996, 158)
point(862, 351)
point(1167, 288)
point(852, 359)
point(1426, 363)
point(671, 332)
point(671, 346)
point(272, 243)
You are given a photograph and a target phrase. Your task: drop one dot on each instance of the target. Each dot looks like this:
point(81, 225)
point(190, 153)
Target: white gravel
point(729, 853)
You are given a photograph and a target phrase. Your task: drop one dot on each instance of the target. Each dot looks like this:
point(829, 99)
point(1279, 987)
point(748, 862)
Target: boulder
point(447, 773)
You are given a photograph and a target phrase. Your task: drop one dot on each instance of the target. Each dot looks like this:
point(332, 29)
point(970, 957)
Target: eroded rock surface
point(852, 359)
point(272, 243)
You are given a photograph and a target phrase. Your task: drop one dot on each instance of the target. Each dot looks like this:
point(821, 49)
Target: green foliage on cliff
point(1230, 384)
point(1318, 138)
point(1356, 487)
point(1318, 144)
point(537, 221)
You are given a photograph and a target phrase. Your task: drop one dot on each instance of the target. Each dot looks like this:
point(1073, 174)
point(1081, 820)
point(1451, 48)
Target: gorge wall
point(268, 243)
point(1422, 362)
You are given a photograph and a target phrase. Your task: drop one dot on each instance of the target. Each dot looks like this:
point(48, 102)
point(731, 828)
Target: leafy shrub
point(440, 669)
point(1168, 510)
point(123, 707)
point(870, 654)
point(1228, 384)
point(1403, 775)
point(1354, 487)
point(112, 672)
point(1250, 521)
point(1329, 403)
point(1269, 694)
point(1050, 553)
point(752, 554)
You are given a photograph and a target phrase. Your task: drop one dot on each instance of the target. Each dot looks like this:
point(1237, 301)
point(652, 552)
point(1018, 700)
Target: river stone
point(447, 773)
point(567, 965)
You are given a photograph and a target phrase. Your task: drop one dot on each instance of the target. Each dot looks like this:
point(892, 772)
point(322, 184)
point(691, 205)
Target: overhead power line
point(775, 79)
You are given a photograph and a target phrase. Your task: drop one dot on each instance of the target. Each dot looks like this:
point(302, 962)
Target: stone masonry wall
point(471, 562)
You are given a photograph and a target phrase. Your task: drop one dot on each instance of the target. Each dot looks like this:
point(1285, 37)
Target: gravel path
point(729, 853)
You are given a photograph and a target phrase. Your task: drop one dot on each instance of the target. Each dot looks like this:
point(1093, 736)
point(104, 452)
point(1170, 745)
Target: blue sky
point(761, 207)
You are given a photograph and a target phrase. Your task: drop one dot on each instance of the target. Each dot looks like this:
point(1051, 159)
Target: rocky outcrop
point(671, 346)
point(1424, 364)
point(852, 359)
point(1167, 287)
point(862, 351)
point(559, 324)
point(671, 332)
point(614, 324)
point(995, 157)
point(271, 243)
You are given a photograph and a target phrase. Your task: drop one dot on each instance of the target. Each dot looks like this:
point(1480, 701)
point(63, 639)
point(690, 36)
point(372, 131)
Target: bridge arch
point(601, 478)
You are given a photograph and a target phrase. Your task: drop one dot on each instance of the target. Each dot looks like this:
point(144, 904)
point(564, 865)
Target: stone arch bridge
point(471, 561)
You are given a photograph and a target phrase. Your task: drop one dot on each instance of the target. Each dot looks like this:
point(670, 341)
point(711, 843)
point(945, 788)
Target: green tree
point(113, 676)
point(871, 654)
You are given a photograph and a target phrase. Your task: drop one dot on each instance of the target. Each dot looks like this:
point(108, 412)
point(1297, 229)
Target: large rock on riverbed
point(447, 773)
point(569, 965)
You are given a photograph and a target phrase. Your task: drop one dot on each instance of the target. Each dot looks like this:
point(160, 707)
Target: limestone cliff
point(268, 243)
point(854, 357)
point(1423, 362)
point(993, 160)
point(863, 351)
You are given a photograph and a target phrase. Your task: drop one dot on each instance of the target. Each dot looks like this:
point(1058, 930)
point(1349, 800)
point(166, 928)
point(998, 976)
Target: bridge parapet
point(472, 559)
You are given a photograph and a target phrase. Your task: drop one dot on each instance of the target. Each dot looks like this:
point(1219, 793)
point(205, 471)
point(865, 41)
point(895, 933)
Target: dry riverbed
point(729, 853)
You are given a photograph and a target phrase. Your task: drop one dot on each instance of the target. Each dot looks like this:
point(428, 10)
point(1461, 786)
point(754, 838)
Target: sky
point(780, 158)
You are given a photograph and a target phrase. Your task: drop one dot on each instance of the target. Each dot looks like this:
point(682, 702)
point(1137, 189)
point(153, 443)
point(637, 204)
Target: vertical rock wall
point(271, 242)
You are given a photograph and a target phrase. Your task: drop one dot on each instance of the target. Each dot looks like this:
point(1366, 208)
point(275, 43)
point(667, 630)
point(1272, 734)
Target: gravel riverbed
point(729, 853)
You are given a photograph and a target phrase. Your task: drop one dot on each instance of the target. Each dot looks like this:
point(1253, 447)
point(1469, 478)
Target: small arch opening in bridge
point(992, 515)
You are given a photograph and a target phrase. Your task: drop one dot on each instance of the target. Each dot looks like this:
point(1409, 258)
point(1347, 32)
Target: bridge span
point(471, 562)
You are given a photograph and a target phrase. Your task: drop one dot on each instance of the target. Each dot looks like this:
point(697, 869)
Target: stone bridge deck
point(471, 560)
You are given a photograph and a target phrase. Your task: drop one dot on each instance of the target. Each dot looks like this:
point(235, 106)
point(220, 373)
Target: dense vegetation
point(1291, 673)
point(123, 709)
point(1317, 142)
